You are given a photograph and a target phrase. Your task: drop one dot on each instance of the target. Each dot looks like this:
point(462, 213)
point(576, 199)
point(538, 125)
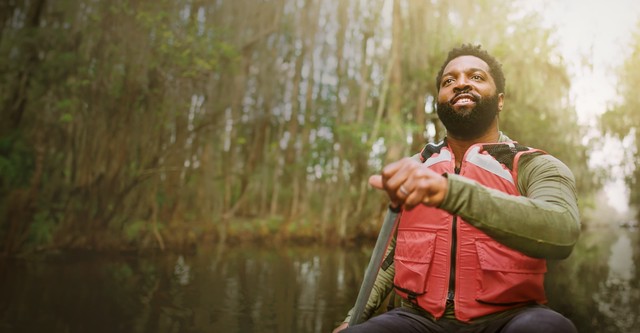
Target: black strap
point(505, 153)
point(392, 302)
point(431, 149)
point(412, 296)
point(388, 260)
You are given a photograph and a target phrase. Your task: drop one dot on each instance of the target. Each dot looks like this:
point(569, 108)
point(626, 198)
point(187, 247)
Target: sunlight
point(593, 37)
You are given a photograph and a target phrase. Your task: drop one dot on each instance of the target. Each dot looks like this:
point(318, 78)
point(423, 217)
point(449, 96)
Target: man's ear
point(500, 101)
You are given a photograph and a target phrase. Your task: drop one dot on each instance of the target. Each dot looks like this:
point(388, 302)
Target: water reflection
point(296, 290)
point(181, 271)
point(259, 289)
point(598, 286)
point(617, 295)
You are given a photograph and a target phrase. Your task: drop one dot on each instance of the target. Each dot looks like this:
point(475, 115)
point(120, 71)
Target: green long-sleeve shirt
point(543, 222)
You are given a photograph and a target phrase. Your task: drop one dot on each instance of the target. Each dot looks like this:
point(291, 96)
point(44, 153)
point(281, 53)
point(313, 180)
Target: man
point(479, 216)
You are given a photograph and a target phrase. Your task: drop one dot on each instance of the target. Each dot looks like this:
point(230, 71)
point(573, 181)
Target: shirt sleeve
point(381, 288)
point(543, 222)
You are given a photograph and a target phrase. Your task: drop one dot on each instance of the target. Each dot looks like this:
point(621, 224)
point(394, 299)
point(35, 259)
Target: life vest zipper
point(454, 241)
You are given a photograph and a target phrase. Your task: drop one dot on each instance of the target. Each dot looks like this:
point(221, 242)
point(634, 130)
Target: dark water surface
point(248, 289)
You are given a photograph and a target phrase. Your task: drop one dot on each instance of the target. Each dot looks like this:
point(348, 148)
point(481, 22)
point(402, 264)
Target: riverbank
point(143, 237)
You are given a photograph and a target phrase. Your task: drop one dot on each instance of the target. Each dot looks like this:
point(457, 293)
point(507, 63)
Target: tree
point(622, 120)
point(151, 124)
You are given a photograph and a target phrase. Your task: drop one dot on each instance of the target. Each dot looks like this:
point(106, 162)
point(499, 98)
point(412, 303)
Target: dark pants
point(525, 320)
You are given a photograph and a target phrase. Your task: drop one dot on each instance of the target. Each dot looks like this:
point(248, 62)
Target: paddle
point(374, 265)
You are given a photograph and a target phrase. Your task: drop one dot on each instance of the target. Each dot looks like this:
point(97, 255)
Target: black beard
point(469, 124)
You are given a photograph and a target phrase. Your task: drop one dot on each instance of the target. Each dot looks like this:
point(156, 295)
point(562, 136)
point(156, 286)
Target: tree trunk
point(395, 116)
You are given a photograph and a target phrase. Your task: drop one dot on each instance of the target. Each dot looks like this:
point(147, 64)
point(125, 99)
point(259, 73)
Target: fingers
point(340, 328)
point(395, 174)
point(409, 183)
point(403, 191)
point(428, 191)
point(376, 182)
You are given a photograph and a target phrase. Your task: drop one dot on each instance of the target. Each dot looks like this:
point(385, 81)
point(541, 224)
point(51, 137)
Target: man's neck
point(460, 146)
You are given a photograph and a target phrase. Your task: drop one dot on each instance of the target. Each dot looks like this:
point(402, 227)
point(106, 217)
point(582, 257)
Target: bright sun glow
point(593, 37)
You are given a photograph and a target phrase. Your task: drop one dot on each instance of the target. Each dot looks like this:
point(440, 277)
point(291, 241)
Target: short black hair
point(495, 68)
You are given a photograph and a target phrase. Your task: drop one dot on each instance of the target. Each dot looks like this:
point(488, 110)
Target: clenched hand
point(410, 183)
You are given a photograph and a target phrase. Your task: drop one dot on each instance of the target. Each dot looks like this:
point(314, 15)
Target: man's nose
point(461, 84)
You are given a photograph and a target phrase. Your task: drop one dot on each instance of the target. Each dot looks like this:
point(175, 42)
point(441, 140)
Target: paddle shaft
point(374, 266)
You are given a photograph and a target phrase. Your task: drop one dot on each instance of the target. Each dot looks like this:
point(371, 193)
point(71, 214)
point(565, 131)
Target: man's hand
point(410, 183)
point(340, 328)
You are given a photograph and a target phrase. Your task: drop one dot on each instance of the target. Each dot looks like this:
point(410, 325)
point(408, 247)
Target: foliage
point(16, 162)
point(41, 230)
point(622, 120)
point(133, 230)
point(147, 118)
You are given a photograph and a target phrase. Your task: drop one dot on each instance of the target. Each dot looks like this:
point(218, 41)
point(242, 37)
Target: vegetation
point(154, 124)
point(623, 120)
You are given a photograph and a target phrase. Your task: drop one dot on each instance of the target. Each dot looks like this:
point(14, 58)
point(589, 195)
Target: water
point(249, 289)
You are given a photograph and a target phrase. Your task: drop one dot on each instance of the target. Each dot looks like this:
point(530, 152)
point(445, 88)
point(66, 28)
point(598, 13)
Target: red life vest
point(488, 276)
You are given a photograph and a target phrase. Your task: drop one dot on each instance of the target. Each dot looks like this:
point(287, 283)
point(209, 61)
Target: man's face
point(468, 103)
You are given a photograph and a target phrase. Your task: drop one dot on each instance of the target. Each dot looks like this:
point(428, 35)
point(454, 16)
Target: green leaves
point(622, 120)
point(205, 110)
point(16, 162)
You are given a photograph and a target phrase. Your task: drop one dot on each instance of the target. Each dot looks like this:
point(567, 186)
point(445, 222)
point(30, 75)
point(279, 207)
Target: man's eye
point(477, 77)
point(446, 82)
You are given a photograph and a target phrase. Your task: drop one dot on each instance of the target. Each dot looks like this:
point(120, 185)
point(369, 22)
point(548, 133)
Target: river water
point(250, 289)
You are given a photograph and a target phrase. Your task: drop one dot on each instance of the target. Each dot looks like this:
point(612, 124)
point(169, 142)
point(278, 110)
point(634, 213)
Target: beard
point(469, 124)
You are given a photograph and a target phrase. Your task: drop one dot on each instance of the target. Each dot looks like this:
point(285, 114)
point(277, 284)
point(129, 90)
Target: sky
point(596, 32)
point(593, 37)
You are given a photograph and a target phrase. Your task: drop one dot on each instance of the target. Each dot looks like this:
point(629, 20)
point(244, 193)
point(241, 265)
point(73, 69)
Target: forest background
point(143, 125)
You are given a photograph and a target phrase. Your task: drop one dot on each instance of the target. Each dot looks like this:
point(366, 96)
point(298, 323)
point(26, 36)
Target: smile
point(463, 99)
